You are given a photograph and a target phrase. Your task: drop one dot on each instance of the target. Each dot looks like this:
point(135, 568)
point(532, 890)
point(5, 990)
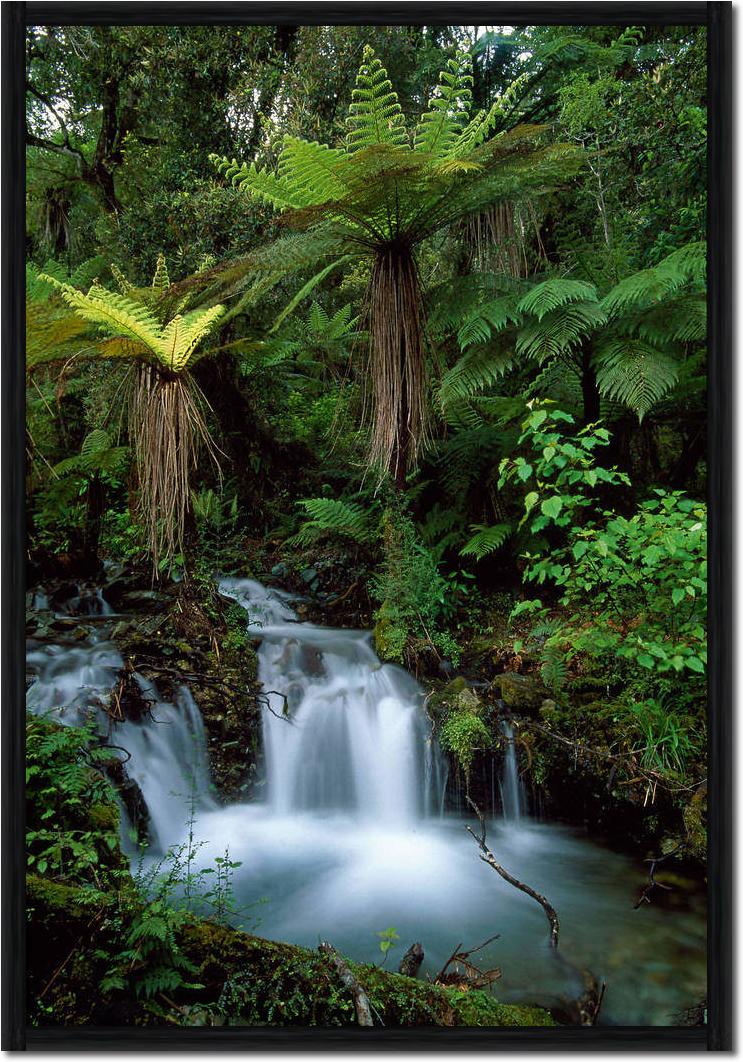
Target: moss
point(521, 693)
point(240, 980)
point(104, 817)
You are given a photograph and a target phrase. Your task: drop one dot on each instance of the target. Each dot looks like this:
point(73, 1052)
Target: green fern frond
point(333, 516)
point(478, 368)
point(559, 331)
point(123, 317)
point(547, 296)
point(375, 115)
point(448, 109)
point(96, 455)
point(634, 372)
point(651, 286)
point(490, 317)
point(160, 279)
point(486, 540)
point(116, 313)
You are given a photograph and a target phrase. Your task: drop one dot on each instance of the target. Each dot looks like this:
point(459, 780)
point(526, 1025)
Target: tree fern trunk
point(397, 374)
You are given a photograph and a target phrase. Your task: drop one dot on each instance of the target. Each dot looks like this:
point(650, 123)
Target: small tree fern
point(167, 423)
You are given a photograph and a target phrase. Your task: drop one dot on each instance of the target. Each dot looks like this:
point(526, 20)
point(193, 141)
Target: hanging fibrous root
point(168, 428)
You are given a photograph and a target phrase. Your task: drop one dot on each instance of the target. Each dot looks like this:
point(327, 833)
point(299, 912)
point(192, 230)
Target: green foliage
point(337, 517)
point(72, 825)
point(486, 540)
point(463, 734)
point(387, 940)
point(632, 588)
point(416, 598)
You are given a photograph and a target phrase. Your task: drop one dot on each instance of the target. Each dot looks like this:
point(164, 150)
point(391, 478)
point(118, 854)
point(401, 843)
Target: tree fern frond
point(478, 367)
point(160, 279)
point(559, 331)
point(114, 312)
point(486, 540)
point(547, 296)
point(634, 373)
point(375, 115)
point(441, 125)
point(490, 317)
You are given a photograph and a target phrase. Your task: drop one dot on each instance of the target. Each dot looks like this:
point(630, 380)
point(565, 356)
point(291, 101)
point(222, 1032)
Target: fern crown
point(386, 183)
point(131, 317)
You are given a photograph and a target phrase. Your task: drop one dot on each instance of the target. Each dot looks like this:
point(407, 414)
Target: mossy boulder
point(520, 693)
point(455, 696)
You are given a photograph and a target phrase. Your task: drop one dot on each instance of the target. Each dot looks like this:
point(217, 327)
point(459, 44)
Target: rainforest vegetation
point(409, 324)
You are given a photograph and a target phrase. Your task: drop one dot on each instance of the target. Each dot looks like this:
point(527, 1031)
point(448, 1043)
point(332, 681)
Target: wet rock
point(520, 693)
point(456, 696)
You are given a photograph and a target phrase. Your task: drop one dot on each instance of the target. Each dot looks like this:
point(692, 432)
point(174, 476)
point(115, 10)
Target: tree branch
point(488, 857)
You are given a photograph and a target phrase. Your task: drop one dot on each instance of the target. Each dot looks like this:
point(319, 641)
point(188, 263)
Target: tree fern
point(377, 197)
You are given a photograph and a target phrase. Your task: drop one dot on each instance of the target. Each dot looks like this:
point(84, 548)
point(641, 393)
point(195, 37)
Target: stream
point(349, 835)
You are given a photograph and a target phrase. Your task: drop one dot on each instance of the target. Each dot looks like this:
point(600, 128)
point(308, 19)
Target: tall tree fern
point(378, 196)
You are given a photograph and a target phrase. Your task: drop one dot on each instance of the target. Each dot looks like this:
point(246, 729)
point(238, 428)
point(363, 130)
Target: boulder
point(520, 693)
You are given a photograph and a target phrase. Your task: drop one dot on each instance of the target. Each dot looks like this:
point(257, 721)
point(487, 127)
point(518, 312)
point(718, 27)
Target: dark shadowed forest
point(366, 557)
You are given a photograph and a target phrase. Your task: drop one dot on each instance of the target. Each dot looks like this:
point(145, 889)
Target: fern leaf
point(115, 313)
point(478, 368)
point(547, 296)
point(448, 109)
point(160, 280)
point(559, 331)
point(331, 515)
point(486, 540)
point(490, 317)
point(375, 115)
point(634, 373)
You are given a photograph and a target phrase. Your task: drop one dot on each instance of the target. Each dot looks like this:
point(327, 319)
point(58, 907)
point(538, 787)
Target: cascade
point(342, 732)
point(348, 836)
point(511, 787)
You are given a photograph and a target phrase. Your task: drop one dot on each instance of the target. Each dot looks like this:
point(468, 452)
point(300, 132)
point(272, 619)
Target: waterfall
point(511, 787)
point(72, 684)
point(341, 731)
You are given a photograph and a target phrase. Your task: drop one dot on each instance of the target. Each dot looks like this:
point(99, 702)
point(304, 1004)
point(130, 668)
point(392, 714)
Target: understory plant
point(631, 589)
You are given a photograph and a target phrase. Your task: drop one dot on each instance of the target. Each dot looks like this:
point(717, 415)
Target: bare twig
point(488, 857)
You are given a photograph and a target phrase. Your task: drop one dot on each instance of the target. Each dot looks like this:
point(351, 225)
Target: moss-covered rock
point(239, 979)
point(520, 693)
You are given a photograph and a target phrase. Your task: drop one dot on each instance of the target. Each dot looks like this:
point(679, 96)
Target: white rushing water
point(348, 835)
point(342, 732)
point(72, 684)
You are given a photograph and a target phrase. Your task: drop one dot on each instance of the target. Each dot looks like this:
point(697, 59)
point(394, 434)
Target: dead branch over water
point(488, 857)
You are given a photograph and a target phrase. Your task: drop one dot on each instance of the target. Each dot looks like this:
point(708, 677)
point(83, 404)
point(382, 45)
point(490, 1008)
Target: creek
point(350, 835)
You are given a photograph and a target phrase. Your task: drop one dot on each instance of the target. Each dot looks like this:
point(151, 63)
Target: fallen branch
point(360, 998)
point(488, 857)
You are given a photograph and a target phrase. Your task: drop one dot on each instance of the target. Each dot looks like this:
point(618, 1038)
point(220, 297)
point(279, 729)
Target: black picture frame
point(718, 1035)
